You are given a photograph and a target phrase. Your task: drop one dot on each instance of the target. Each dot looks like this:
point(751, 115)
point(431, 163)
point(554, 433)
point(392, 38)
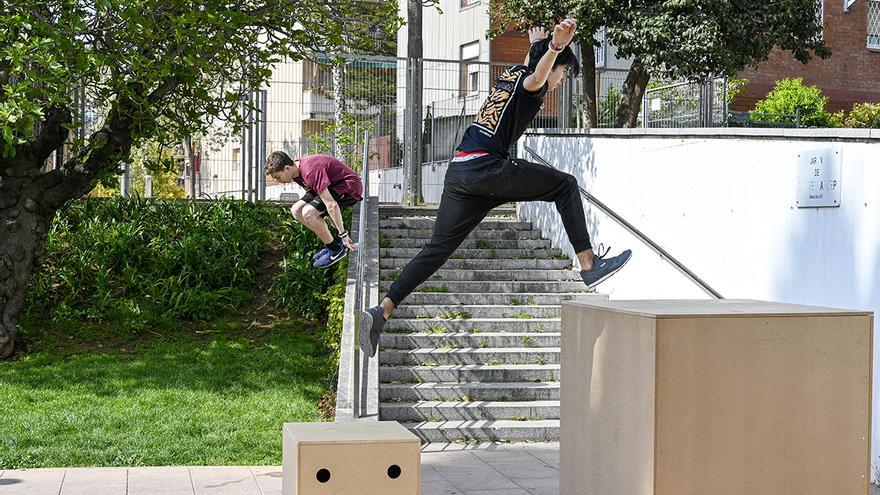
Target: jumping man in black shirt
point(482, 177)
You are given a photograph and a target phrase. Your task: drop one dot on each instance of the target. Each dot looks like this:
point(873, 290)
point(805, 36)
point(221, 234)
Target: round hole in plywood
point(394, 471)
point(323, 475)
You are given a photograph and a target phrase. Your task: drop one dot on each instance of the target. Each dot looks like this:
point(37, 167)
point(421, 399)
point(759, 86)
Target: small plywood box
point(350, 458)
point(715, 397)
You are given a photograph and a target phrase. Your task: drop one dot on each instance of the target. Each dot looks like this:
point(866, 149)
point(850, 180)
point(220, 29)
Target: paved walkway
point(522, 469)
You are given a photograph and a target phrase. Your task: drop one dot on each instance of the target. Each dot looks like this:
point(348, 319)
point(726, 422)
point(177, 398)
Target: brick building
point(852, 73)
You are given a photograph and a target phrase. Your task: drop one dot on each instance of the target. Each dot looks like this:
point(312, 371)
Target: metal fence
point(686, 104)
point(324, 105)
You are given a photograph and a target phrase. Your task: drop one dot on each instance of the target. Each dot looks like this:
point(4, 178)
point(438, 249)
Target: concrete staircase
point(473, 354)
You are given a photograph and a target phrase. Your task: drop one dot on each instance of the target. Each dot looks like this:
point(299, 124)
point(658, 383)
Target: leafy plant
point(792, 100)
point(864, 115)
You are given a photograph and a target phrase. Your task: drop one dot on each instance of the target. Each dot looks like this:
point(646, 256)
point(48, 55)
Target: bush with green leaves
point(790, 97)
point(864, 115)
point(141, 262)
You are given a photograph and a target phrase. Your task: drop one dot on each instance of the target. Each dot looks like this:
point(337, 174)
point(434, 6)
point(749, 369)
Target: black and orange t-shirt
point(505, 115)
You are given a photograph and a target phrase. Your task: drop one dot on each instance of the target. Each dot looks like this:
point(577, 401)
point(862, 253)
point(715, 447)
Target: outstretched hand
point(564, 32)
point(537, 34)
point(347, 242)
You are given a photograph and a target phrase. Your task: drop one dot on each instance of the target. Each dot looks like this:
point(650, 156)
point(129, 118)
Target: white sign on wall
point(818, 178)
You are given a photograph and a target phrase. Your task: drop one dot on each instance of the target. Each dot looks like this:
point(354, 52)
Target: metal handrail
point(636, 232)
point(359, 278)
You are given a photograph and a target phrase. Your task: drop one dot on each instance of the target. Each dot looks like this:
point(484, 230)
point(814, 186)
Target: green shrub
point(791, 96)
point(864, 115)
point(141, 262)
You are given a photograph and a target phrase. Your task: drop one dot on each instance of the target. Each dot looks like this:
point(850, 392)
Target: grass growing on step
point(493, 255)
point(478, 330)
point(519, 418)
point(394, 275)
point(442, 288)
point(523, 316)
point(559, 256)
point(403, 226)
point(528, 341)
point(482, 244)
point(436, 329)
point(483, 343)
point(539, 360)
point(455, 315)
point(493, 362)
point(384, 242)
point(523, 302)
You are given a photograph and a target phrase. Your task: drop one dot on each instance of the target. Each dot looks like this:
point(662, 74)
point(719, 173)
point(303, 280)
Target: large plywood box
point(714, 397)
point(350, 458)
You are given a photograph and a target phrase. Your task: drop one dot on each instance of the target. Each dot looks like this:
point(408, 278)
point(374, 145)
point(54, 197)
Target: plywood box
point(714, 397)
point(350, 458)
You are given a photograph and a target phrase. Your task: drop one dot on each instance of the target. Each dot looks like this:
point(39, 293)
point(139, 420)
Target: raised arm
point(562, 35)
point(535, 34)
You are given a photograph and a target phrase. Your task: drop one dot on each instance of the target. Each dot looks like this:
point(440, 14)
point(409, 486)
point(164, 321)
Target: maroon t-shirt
point(318, 172)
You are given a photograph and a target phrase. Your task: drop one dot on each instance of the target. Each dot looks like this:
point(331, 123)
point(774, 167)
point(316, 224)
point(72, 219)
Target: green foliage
point(141, 262)
point(700, 39)
point(791, 97)
point(735, 87)
point(149, 159)
point(165, 68)
point(864, 115)
point(608, 107)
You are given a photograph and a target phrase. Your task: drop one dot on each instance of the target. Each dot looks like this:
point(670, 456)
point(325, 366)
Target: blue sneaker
point(331, 257)
point(317, 256)
point(604, 267)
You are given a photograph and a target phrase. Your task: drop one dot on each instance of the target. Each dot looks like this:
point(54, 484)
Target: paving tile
point(439, 487)
point(224, 481)
point(516, 491)
point(159, 481)
point(32, 481)
point(107, 481)
point(269, 479)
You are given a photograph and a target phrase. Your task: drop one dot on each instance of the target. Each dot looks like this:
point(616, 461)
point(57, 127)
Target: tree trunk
point(631, 95)
point(30, 199)
point(589, 110)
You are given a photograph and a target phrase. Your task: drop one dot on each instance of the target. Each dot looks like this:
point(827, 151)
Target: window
point(468, 3)
point(873, 40)
point(469, 73)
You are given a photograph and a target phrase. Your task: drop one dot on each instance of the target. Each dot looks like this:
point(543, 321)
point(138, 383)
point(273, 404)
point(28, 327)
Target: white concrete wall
point(723, 203)
point(387, 183)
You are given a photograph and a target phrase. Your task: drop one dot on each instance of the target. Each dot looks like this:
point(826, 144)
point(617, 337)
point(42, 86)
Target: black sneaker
point(331, 257)
point(604, 267)
point(372, 321)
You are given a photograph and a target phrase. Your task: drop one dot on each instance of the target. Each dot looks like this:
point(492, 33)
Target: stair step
point(441, 391)
point(409, 253)
point(470, 373)
point(386, 211)
point(456, 311)
point(474, 325)
point(487, 244)
point(428, 223)
point(527, 299)
point(492, 275)
point(467, 339)
point(546, 430)
point(496, 286)
point(509, 234)
point(470, 355)
point(438, 411)
point(484, 264)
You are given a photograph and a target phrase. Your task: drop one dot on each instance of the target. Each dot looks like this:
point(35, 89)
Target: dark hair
point(277, 161)
point(565, 57)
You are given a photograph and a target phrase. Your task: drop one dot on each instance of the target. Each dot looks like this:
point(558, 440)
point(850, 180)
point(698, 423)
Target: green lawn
point(210, 395)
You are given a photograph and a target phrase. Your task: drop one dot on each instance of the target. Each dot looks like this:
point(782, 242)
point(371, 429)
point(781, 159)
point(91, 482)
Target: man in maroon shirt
point(330, 187)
